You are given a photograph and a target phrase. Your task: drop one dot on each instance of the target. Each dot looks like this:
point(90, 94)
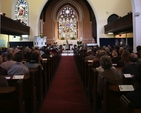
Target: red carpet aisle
point(66, 94)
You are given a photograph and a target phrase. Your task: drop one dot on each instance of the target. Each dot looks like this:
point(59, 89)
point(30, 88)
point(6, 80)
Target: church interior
point(70, 56)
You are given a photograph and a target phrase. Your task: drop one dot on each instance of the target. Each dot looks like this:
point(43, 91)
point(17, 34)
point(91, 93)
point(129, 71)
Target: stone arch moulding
point(38, 17)
point(71, 8)
point(96, 19)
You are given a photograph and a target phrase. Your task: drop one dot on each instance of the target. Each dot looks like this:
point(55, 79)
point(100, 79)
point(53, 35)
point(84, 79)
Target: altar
point(61, 42)
point(70, 42)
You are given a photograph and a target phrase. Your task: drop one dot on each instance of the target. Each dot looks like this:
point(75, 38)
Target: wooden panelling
point(123, 24)
point(12, 27)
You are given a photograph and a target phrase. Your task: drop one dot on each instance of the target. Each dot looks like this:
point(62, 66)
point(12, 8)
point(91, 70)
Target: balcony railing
point(12, 27)
point(123, 24)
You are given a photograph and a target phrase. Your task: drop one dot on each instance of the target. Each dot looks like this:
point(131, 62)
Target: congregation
point(111, 63)
point(105, 60)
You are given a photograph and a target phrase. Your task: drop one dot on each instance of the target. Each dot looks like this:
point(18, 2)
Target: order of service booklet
point(126, 87)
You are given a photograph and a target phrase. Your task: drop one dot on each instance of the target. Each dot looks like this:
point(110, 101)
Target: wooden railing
point(123, 24)
point(12, 27)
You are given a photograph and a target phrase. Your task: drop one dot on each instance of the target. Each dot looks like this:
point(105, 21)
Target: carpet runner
point(66, 94)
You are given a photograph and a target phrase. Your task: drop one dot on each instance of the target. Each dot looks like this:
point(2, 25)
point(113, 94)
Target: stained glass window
point(21, 11)
point(67, 24)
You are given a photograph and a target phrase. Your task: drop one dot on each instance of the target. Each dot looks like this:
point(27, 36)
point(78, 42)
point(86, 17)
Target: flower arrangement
point(72, 38)
point(41, 35)
point(62, 38)
point(79, 43)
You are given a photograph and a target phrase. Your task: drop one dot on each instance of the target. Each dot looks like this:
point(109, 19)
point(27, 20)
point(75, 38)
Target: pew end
point(127, 106)
point(11, 98)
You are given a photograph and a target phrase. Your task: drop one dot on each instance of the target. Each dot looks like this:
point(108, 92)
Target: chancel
point(62, 43)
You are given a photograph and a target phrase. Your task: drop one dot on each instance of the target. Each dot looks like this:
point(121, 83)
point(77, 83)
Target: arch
point(77, 8)
point(96, 19)
point(38, 17)
point(67, 23)
point(112, 17)
point(71, 8)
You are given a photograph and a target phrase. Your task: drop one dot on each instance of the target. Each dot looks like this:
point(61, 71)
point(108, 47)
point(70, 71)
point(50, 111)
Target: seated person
point(27, 53)
point(9, 61)
point(111, 74)
point(34, 60)
point(131, 68)
point(99, 68)
point(90, 55)
point(46, 53)
point(3, 82)
point(2, 70)
point(96, 60)
point(115, 57)
point(135, 96)
point(18, 68)
point(107, 49)
point(125, 59)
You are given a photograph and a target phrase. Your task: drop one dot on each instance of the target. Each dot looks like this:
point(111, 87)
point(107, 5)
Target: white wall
point(102, 9)
point(136, 6)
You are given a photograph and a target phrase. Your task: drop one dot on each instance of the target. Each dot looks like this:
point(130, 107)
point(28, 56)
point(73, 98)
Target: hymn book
point(128, 75)
point(18, 76)
point(126, 87)
point(7, 77)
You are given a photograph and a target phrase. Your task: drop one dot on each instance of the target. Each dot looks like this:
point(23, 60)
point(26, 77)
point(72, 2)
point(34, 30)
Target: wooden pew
point(11, 98)
point(37, 73)
point(83, 71)
point(127, 106)
point(50, 64)
point(111, 97)
point(47, 63)
point(78, 60)
point(45, 75)
point(51, 68)
point(111, 101)
point(49, 78)
point(94, 89)
point(29, 91)
point(87, 77)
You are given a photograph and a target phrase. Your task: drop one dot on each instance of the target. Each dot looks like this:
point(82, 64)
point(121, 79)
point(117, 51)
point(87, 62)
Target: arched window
point(67, 23)
point(21, 11)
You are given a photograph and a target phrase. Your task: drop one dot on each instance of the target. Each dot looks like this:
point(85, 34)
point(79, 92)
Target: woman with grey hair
point(111, 74)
